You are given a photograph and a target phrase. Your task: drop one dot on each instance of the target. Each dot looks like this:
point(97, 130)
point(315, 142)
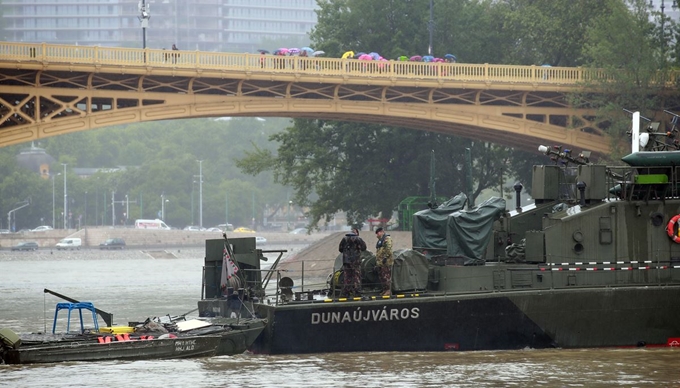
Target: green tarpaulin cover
point(429, 225)
point(469, 231)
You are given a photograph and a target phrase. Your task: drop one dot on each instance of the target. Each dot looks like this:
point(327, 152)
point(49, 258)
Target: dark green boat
point(583, 267)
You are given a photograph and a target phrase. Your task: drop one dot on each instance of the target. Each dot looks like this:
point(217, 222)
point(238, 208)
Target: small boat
point(152, 339)
point(130, 349)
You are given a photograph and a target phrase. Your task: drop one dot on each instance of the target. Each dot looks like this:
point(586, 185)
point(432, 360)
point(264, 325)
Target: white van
point(69, 243)
point(151, 224)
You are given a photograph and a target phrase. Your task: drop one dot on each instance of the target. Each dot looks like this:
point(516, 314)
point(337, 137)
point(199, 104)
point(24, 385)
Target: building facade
point(206, 25)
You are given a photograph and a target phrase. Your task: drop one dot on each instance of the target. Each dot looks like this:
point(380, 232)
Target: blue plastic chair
point(70, 307)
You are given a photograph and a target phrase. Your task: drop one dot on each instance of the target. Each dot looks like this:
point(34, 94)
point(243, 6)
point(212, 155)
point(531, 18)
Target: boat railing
point(643, 183)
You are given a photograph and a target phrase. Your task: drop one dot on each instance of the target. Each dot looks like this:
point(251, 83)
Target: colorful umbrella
point(308, 50)
point(428, 58)
point(348, 54)
point(365, 57)
point(402, 58)
point(281, 51)
point(374, 55)
point(293, 51)
point(450, 57)
point(416, 58)
point(318, 53)
point(262, 51)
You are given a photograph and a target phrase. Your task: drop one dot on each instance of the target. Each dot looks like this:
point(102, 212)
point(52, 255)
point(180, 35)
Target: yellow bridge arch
point(49, 90)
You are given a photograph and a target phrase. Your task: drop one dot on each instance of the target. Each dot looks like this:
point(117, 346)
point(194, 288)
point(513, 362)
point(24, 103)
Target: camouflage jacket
point(383, 251)
point(351, 246)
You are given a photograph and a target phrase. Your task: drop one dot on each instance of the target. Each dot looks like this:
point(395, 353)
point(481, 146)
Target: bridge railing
point(354, 68)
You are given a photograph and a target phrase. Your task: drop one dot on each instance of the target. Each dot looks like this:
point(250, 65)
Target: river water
point(134, 286)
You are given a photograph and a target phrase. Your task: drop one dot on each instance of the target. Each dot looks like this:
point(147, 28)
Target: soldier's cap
point(378, 230)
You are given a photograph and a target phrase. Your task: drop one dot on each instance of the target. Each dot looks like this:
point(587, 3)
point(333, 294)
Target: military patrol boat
point(594, 262)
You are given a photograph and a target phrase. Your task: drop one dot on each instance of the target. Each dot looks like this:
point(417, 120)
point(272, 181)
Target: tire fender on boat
point(670, 229)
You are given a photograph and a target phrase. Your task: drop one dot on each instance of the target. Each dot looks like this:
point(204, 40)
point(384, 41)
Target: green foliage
point(624, 43)
point(549, 32)
point(144, 161)
point(366, 169)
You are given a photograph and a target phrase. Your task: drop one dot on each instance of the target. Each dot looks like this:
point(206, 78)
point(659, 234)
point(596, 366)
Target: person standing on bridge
point(175, 56)
point(351, 247)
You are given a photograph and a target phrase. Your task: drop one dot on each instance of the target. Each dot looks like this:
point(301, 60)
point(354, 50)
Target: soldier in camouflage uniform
point(351, 247)
point(384, 258)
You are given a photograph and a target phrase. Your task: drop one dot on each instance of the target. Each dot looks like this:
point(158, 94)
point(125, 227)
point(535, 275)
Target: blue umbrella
point(309, 50)
point(450, 57)
point(428, 58)
point(375, 56)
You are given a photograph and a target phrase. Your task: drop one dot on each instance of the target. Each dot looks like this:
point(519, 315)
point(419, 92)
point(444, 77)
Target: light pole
point(65, 198)
point(290, 203)
point(226, 210)
point(163, 202)
point(193, 184)
point(144, 19)
point(200, 194)
point(662, 7)
point(53, 202)
point(430, 27)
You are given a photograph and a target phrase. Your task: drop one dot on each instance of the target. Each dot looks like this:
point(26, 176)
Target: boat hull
point(566, 318)
point(240, 337)
point(168, 348)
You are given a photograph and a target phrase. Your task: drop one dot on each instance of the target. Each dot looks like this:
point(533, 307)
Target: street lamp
point(163, 202)
point(144, 19)
point(53, 202)
point(65, 199)
point(200, 194)
point(290, 203)
point(662, 7)
point(193, 185)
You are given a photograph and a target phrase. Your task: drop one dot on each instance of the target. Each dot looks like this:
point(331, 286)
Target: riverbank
point(143, 238)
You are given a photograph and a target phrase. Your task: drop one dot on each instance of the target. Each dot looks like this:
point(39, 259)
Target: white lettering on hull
point(358, 315)
point(185, 346)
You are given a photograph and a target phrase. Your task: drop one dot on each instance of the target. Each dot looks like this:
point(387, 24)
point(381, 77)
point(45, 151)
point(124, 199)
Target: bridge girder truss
point(37, 104)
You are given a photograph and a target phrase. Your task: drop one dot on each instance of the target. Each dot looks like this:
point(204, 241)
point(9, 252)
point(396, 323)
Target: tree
point(623, 43)
point(549, 32)
point(367, 169)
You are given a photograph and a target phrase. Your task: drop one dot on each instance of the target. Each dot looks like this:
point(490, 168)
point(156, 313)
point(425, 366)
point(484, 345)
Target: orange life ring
point(670, 229)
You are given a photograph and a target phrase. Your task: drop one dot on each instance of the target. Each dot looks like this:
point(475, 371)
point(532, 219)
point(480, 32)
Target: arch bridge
point(48, 90)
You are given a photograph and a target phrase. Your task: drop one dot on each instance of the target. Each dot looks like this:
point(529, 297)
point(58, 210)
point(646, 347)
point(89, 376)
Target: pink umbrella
point(416, 58)
point(365, 57)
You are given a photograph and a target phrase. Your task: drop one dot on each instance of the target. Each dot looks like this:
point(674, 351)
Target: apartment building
point(210, 25)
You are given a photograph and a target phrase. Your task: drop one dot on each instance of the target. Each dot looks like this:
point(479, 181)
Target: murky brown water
point(135, 287)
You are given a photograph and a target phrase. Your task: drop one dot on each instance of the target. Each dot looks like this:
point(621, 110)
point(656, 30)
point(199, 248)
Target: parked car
point(243, 229)
point(41, 228)
point(298, 231)
point(214, 229)
point(69, 243)
point(26, 246)
point(260, 240)
point(193, 228)
point(113, 243)
point(5, 231)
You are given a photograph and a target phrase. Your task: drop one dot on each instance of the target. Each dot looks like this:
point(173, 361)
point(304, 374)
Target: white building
point(210, 25)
